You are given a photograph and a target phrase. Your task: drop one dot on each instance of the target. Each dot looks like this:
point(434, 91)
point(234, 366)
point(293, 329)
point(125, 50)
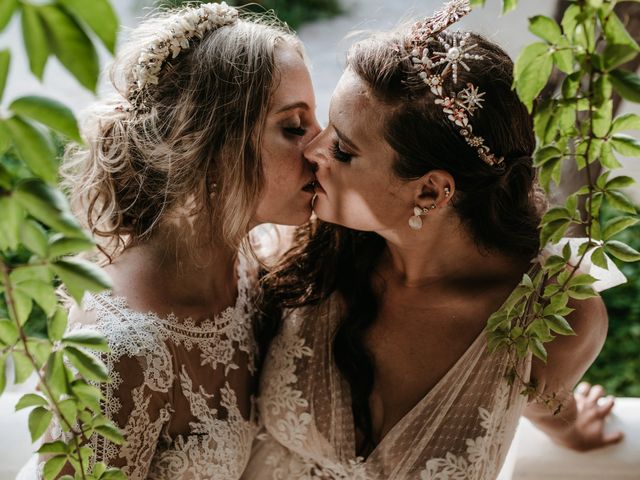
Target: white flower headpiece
point(458, 106)
point(183, 27)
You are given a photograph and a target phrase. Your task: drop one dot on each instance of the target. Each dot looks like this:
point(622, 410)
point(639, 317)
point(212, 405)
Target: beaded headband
point(458, 106)
point(185, 26)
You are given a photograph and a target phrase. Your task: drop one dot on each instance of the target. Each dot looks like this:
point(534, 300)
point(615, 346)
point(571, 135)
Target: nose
point(313, 152)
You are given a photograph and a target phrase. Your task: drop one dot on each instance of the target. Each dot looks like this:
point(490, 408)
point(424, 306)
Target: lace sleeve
point(136, 397)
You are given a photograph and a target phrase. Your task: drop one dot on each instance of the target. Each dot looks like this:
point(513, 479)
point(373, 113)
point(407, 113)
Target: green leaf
point(616, 55)
point(34, 237)
point(546, 154)
point(72, 46)
point(537, 348)
point(620, 201)
point(35, 39)
point(531, 72)
point(607, 157)
point(625, 145)
point(599, 258)
point(5, 60)
point(616, 33)
point(79, 276)
point(40, 350)
point(111, 433)
point(626, 83)
point(113, 474)
point(22, 304)
point(43, 293)
point(508, 5)
point(88, 395)
point(545, 28)
point(556, 213)
point(86, 338)
point(553, 231)
point(22, 366)
point(87, 364)
point(602, 119)
point(35, 148)
point(56, 374)
point(5, 144)
point(8, 332)
point(48, 205)
point(7, 8)
point(49, 112)
point(69, 410)
point(54, 447)
point(603, 89)
point(57, 325)
point(558, 324)
point(621, 181)
point(99, 15)
point(31, 400)
point(617, 225)
point(39, 420)
point(54, 466)
point(60, 245)
point(581, 279)
point(12, 214)
point(31, 272)
point(570, 20)
point(628, 121)
point(622, 251)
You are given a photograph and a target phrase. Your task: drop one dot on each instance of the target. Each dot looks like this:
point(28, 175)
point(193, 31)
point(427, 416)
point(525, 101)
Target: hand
point(593, 408)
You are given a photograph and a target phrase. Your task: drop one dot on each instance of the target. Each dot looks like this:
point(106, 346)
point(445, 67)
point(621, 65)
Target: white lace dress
point(461, 429)
point(180, 391)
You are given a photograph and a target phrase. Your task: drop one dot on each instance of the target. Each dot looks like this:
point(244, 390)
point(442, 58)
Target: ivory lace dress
point(461, 429)
point(180, 391)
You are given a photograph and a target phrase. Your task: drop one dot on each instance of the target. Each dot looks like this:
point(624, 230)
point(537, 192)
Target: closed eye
point(298, 131)
point(340, 155)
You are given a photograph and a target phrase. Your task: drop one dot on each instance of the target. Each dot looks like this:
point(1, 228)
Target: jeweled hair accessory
point(185, 26)
point(458, 106)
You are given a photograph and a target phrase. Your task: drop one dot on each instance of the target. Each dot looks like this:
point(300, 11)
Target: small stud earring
point(415, 221)
point(447, 192)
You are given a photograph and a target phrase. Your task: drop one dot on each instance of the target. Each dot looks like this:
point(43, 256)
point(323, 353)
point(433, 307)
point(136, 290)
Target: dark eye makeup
point(338, 154)
point(298, 131)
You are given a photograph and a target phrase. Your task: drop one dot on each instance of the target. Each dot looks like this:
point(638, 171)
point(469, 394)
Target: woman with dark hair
point(380, 368)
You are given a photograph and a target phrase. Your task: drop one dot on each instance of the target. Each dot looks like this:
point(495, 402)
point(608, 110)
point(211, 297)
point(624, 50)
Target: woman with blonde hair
point(202, 141)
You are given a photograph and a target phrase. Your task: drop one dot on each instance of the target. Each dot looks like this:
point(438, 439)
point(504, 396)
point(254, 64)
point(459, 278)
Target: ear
point(434, 188)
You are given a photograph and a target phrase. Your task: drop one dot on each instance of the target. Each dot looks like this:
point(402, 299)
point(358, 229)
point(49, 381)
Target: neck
point(185, 273)
point(444, 251)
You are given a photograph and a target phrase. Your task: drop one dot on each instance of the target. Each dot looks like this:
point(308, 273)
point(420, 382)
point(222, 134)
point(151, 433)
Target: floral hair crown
point(458, 106)
point(183, 27)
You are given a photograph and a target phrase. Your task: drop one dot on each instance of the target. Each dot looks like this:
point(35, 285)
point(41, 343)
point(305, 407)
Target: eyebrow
point(346, 140)
point(292, 106)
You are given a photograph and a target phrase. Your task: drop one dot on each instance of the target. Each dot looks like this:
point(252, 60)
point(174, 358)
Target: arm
point(580, 423)
point(137, 410)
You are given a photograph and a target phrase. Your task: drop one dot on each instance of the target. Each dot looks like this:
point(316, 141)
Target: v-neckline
point(427, 396)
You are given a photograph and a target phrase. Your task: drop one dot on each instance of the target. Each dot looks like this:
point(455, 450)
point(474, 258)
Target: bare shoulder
point(569, 356)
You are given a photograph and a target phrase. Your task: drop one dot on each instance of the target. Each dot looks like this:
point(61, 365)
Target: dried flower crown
point(458, 106)
point(183, 27)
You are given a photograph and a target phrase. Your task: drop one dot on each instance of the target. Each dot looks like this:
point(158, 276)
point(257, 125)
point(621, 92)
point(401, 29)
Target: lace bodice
point(461, 429)
point(180, 391)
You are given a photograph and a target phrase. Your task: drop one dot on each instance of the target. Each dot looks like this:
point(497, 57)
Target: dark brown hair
point(501, 208)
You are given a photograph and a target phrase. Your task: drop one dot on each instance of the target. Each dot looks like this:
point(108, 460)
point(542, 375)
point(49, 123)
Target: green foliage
point(588, 46)
point(294, 12)
point(617, 368)
point(39, 238)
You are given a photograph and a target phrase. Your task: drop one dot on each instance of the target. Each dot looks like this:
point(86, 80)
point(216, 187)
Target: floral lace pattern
point(181, 392)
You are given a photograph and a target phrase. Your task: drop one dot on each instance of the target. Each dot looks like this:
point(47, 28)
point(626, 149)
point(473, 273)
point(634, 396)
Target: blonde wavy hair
point(195, 153)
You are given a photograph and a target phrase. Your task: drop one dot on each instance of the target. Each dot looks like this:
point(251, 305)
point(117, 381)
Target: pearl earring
point(415, 221)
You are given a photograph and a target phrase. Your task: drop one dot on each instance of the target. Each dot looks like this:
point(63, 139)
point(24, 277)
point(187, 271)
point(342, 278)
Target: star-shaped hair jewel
point(454, 52)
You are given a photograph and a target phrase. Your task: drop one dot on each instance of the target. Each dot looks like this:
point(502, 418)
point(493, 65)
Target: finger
point(583, 388)
point(611, 438)
point(595, 393)
point(605, 405)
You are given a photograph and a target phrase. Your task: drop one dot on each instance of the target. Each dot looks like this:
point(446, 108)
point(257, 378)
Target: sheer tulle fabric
point(461, 429)
point(180, 391)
